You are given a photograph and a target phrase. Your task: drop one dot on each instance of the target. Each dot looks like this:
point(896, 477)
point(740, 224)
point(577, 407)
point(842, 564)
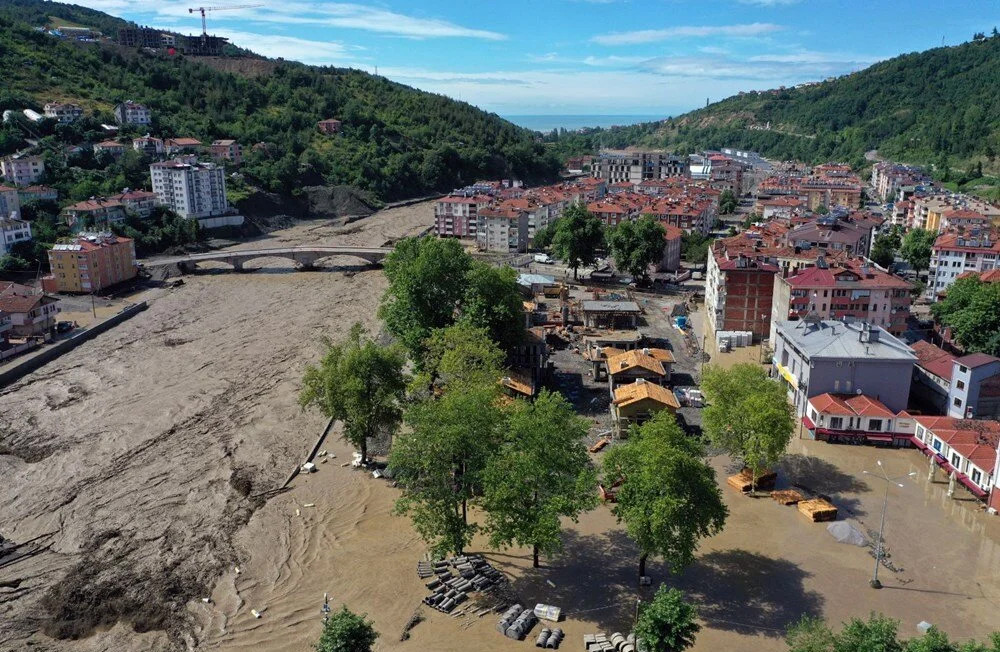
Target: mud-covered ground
point(145, 450)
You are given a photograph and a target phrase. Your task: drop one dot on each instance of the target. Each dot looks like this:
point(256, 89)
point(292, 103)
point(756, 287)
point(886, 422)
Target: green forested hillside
point(921, 108)
point(396, 141)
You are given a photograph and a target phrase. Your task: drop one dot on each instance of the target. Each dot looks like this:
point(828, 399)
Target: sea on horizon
point(546, 123)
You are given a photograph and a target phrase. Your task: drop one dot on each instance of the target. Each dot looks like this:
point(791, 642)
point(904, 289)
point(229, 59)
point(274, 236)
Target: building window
point(956, 461)
point(958, 402)
point(875, 425)
point(976, 475)
point(836, 423)
point(963, 369)
point(960, 385)
point(937, 445)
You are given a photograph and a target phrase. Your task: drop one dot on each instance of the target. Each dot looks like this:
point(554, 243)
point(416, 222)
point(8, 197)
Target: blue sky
point(658, 57)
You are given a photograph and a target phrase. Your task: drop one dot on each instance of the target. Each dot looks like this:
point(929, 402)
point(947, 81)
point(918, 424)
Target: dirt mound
point(269, 204)
point(339, 201)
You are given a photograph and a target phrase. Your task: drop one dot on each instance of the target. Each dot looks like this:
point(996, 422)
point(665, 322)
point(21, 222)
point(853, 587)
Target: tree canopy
point(668, 498)
point(360, 383)
point(916, 248)
point(876, 634)
point(667, 623)
point(747, 415)
point(578, 235)
point(727, 202)
point(637, 244)
point(540, 474)
point(345, 631)
point(972, 309)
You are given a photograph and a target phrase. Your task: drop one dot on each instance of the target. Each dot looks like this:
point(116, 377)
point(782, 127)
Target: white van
point(544, 259)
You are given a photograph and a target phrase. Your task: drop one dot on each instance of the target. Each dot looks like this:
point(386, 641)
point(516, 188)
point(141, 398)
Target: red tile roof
point(851, 405)
point(974, 360)
point(974, 439)
point(933, 359)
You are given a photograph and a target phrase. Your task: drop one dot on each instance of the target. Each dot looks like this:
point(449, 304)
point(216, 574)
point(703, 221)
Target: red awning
point(971, 486)
point(807, 422)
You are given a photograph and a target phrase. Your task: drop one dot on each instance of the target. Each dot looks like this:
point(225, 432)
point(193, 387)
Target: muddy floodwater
point(149, 454)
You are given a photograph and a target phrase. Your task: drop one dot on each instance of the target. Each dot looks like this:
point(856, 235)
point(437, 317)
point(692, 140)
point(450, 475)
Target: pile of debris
point(618, 642)
point(454, 578)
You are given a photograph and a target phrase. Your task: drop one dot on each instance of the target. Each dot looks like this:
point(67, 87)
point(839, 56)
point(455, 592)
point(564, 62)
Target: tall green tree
point(544, 235)
point(916, 248)
point(667, 623)
point(493, 302)
point(727, 202)
point(345, 631)
point(362, 384)
point(461, 354)
point(972, 309)
point(540, 474)
point(439, 464)
point(876, 634)
point(426, 285)
point(578, 235)
point(883, 252)
point(637, 244)
point(747, 415)
point(810, 635)
point(694, 247)
point(668, 499)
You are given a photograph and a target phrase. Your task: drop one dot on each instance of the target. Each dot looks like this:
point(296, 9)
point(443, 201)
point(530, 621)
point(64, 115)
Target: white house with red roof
point(953, 254)
point(965, 447)
point(856, 418)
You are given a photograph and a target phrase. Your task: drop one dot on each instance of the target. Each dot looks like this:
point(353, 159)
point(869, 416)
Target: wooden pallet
point(787, 497)
point(743, 481)
point(818, 510)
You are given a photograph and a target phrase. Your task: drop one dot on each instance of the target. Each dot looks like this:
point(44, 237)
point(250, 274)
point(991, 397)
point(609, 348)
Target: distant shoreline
point(546, 123)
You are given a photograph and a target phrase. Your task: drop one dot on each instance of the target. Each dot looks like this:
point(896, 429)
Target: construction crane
point(202, 10)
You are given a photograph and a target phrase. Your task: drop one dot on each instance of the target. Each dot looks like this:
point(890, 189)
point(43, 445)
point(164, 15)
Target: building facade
point(953, 254)
point(975, 387)
point(636, 166)
point(190, 189)
point(738, 293)
point(227, 150)
point(23, 169)
point(13, 231)
point(63, 113)
point(10, 202)
point(132, 113)
point(813, 357)
point(93, 262)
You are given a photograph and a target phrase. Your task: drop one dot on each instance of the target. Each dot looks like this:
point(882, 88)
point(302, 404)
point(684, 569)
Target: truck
point(544, 259)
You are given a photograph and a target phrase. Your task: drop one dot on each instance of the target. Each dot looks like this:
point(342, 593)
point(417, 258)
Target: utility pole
point(879, 545)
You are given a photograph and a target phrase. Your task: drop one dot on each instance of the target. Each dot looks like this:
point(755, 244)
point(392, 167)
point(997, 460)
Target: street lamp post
point(875, 583)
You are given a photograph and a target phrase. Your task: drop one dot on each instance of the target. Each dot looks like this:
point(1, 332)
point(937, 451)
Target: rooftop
point(857, 405)
point(610, 306)
point(835, 340)
point(635, 359)
point(639, 391)
point(933, 359)
point(974, 360)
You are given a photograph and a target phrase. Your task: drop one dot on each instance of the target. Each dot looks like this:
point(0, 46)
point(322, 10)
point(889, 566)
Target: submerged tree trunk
point(642, 565)
point(534, 556)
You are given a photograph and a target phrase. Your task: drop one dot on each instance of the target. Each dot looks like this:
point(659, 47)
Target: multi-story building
point(177, 146)
point(13, 231)
point(738, 293)
point(190, 188)
point(856, 418)
point(227, 150)
point(852, 234)
point(672, 239)
point(30, 313)
point(10, 202)
point(953, 254)
point(457, 216)
point(140, 37)
point(782, 207)
point(966, 449)
point(887, 178)
point(634, 165)
point(148, 145)
point(504, 230)
point(850, 288)
point(718, 170)
point(94, 213)
point(37, 193)
point(111, 147)
point(92, 263)
point(136, 202)
point(63, 113)
point(814, 357)
point(22, 169)
point(131, 113)
point(975, 387)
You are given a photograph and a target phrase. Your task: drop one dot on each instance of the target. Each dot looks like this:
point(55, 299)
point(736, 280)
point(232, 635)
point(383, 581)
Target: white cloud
point(331, 14)
point(323, 53)
point(684, 31)
point(777, 68)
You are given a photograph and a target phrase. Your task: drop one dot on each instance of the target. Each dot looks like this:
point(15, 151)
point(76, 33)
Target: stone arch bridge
point(303, 257)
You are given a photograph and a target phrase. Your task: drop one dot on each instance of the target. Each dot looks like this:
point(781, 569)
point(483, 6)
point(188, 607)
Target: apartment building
point(22, 169)
point(503, 230)
point(132, 113)
point(63, 113)
point(975, 387)
point(148, 145)
point(837, 231)
point(634, 165)
point(966, 449)
point(110, 147)
point(814, 356)
point(37, 193)
point(457, 216)
point(848, 289)
point(92, 213)
point(136, 202)
point(91, 263)
point(190, 188)
point(227, 150)
point(10, 202)
point(955, 253)
point(13, 231)
point(887, 178)
point(738, 293)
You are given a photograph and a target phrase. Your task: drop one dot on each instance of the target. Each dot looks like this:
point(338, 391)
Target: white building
point(22, 169)
point(10, 202)
point(64, 113)
point(190, 188)
point(12, 231)
point(504, 230)
point(956, 253)
point(130, 113)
